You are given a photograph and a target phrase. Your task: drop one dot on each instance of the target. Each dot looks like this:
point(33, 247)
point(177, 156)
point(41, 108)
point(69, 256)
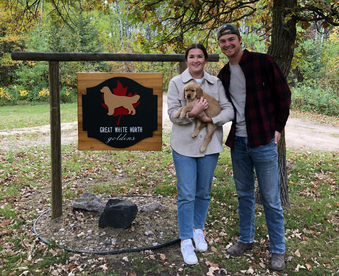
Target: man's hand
point(277, 136)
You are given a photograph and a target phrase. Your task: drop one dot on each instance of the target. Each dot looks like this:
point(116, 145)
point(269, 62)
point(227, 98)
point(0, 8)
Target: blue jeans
point(265, 161)
point(194, 181)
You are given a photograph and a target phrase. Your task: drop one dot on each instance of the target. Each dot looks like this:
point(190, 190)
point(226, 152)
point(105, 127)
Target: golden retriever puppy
point(193, 92)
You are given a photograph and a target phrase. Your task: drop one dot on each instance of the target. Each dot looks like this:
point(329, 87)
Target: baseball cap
point(227, 29)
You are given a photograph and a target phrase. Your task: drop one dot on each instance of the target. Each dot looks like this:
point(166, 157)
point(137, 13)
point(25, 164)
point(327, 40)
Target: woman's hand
point(203, 117)
point(199, 106)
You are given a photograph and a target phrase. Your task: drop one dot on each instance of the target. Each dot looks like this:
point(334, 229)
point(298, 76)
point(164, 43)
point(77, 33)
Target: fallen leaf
point(162, 257)
point(5, 222)
point(250, 271)
point(103, 267)
point(297, 253)
point(262, 265)
point(209, 263)
point(298, 267)
point(211, 271)
point(214, 249)
point(308, 266)
point(257, 250)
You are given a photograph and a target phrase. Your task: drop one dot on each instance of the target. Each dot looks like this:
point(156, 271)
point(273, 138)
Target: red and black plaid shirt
point(268, 98)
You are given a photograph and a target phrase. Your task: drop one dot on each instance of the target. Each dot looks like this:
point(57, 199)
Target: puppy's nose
point(188, 96)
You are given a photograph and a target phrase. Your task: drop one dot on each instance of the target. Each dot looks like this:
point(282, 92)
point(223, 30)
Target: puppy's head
point(190, 91)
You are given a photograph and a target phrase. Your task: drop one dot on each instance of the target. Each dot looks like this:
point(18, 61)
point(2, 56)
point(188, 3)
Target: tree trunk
point(283, 38)
point(121, 34)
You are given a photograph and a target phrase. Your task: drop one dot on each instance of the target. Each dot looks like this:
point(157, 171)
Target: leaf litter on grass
point(25, 194)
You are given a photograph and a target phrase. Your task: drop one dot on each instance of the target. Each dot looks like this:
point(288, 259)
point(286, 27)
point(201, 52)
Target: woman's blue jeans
point(265, 161)
point(194, 181)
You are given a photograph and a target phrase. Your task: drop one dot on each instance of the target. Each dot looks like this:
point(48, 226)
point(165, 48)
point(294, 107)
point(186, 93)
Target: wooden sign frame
point(149, 80)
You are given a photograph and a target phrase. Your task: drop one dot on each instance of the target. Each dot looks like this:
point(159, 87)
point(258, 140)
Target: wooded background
point(300, 35)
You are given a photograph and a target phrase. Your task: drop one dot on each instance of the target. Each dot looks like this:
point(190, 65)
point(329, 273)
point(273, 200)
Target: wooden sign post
point(120, 111)
point(54, 82)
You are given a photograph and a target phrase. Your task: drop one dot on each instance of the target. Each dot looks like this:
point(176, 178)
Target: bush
point(311, 97)
point(68, 95)
point(17, 95)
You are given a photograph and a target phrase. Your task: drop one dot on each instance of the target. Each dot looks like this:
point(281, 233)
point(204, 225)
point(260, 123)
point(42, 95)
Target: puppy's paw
point(203, 148)
point(176, 114)
point(195, 133)
point(182, 115)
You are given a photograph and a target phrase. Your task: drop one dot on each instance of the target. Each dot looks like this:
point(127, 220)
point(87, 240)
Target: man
point(261, 98)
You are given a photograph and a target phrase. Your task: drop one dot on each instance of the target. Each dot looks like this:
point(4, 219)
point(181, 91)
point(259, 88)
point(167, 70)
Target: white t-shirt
point(238, 94)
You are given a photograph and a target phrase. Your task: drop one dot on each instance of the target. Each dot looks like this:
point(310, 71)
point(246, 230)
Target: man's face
point(230, 45)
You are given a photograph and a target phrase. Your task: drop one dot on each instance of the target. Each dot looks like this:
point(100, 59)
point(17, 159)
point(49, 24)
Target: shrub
point(311, 97)
point(68, 95)
point(5, 97)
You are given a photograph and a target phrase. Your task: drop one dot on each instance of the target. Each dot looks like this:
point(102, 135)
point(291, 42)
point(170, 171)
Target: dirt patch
point(299, 134)
point(78, 231)
point(302, 134)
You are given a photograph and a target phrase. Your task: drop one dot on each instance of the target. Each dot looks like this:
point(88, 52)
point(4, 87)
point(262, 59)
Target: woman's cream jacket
point(182, 129)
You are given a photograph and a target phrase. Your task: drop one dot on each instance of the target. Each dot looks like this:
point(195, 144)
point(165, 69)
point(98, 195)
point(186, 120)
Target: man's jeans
point(265, 161)
point(194, 181)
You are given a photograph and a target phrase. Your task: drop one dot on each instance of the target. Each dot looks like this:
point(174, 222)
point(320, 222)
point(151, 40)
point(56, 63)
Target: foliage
point(176, 22)
point(330, 58)
point(17, 95)
point(309, 96)
point(16, 20)
point(157, 27)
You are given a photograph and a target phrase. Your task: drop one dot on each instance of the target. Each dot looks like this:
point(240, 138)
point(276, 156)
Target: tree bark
point(281, 49)
point(121, 34)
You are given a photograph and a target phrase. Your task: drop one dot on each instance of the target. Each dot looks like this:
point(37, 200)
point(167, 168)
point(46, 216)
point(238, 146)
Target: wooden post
point(53, 59)
point(56, 183)
point(182, 66)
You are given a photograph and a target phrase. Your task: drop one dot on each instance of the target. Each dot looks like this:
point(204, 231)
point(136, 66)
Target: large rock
point(88, 202)
point(118, 214)
point(153, 206)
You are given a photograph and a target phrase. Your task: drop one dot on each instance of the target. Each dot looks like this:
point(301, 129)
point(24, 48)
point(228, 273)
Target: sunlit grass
point(36, 115)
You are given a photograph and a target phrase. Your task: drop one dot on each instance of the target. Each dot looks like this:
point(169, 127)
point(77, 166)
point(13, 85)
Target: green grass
point(33, 115)
point(311, 221)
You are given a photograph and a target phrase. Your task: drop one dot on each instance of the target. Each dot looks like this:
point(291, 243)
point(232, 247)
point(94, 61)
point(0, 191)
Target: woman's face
point(196, 62)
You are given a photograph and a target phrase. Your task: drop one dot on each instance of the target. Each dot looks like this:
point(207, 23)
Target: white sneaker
point(187, 251)
point(199, 240)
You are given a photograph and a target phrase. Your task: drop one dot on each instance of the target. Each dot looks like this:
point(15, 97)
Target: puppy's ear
point(199, 91)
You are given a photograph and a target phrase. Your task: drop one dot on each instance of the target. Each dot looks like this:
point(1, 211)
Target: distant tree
point(12, 37)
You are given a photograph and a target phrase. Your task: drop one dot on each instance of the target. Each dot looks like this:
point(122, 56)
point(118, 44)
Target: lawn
point(311, 220)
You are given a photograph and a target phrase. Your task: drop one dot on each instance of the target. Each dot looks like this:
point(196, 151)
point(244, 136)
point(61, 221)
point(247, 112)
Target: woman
point(194, 169)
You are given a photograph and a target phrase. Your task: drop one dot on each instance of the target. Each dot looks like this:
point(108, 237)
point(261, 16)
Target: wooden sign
point(120, 111)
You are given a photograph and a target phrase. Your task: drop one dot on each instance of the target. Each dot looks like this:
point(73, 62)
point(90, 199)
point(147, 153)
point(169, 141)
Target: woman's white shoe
point(199, 240)
point(187, 251)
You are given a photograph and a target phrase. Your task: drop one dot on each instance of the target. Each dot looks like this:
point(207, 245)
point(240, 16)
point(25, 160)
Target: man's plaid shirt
point(268, 98)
